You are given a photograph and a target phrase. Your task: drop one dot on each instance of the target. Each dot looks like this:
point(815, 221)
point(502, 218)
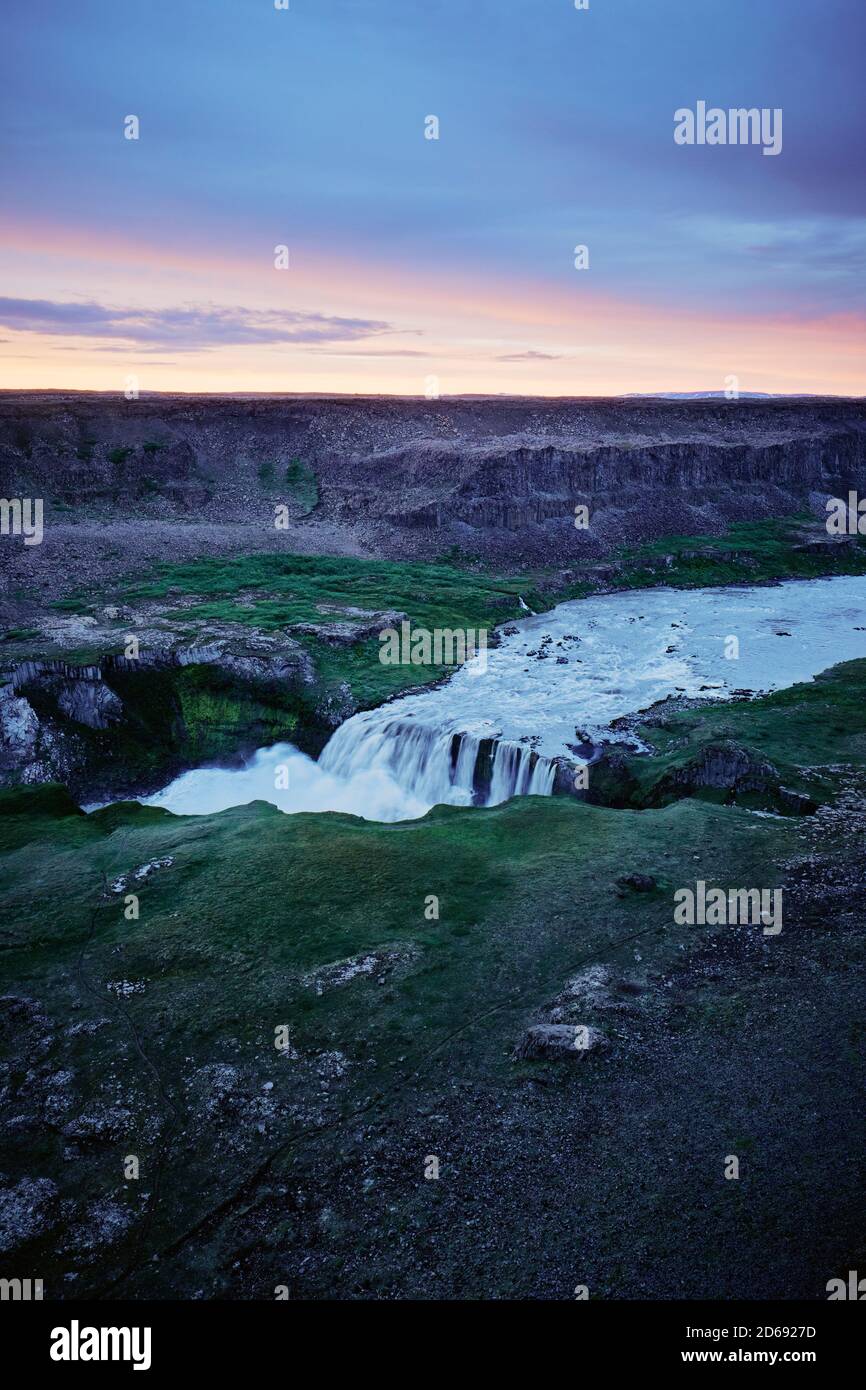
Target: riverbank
point(237, 652)
point(574, 678)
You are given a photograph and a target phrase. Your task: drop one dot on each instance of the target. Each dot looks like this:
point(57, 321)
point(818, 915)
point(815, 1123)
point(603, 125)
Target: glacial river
point(555, 682)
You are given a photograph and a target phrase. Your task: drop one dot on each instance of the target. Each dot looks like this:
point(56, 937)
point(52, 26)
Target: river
point(553, 685)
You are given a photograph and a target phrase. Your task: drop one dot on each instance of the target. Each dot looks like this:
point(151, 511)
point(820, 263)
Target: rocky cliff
point(498, 477)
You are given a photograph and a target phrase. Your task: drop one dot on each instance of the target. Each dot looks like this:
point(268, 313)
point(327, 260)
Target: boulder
point(640, 883)
point(558, 1040)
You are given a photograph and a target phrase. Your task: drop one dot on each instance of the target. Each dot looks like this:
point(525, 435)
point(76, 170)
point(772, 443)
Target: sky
point(430, 266)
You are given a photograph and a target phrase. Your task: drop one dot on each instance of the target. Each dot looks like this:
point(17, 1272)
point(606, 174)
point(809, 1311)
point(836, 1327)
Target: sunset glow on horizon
point(415, 264)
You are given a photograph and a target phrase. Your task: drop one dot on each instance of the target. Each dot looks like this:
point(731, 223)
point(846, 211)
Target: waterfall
point(516, 774)
point(435, 765)
point(564, 679)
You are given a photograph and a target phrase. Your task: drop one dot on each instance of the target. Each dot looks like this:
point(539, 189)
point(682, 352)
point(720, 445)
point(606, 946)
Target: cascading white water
point(553, 683)
point(433, 765)
point(375, 766)
point(416, 756)
point(515, 774)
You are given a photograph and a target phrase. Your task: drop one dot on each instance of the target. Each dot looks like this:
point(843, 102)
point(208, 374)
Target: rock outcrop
point(64, 722)
point(558, 1040)
point(732, 771)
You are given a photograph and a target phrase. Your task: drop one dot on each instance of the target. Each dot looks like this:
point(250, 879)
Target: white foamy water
point(290, 780)
point(556, 680)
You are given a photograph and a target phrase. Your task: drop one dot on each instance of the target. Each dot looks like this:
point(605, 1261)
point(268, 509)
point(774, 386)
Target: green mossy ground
point(273, 592)
point(805, 731)
point(253, 902)
point(449, 592)
point(712, 1048)
point(608, 1171)
point(749, 552)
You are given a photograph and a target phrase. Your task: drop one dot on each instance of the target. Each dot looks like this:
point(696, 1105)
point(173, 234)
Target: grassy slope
point(804, 731)
point(279, 590)
point(750, 551)
point(256, 899)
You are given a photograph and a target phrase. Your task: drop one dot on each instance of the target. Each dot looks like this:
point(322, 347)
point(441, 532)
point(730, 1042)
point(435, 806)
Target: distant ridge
point(498, 478)
point(721, 396)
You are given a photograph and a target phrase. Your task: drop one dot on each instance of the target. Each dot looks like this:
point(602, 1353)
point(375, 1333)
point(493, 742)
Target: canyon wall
point(497, 477)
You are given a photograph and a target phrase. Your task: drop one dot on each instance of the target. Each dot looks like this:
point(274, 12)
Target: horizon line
point(668, 395)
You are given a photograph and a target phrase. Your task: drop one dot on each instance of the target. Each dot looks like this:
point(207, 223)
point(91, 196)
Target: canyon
point(167, 642)
point(497, 478)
